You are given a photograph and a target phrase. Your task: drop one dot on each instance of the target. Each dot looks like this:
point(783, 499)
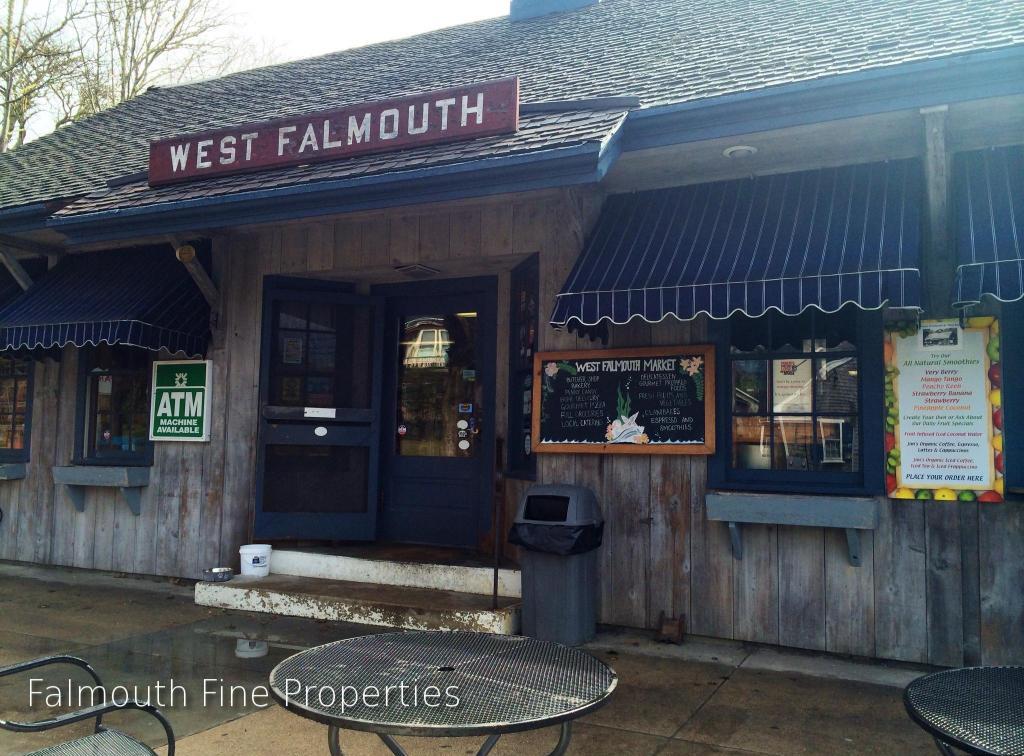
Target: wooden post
point(939, 260)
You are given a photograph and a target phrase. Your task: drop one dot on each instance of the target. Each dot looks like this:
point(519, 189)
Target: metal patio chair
point(103, 740)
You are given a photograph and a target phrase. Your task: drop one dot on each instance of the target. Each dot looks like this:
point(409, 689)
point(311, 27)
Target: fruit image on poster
point(944, 419)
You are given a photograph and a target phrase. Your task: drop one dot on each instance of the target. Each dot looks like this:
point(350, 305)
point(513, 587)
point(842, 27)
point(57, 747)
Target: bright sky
point(295, 29)
point(304, 28)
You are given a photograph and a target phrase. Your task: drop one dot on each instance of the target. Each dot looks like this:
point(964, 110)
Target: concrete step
point(363, 603)
point(390, 571)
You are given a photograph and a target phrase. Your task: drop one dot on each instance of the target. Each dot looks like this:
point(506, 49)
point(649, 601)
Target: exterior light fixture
point(739, 151)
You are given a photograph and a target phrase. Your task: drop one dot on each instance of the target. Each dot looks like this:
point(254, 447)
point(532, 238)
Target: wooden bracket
point(186, 254)
point(736, 539)
point(853, 546)
point(15, 268)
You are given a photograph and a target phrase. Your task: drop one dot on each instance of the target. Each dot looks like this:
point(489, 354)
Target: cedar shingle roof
point(663, 51)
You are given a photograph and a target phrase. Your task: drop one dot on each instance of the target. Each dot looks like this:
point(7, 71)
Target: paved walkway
point(700, 698)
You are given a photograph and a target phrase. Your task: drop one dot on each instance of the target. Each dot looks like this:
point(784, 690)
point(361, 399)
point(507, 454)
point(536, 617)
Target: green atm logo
point(180, 405)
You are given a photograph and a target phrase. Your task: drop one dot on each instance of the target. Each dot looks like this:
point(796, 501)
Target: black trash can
point(560, 530)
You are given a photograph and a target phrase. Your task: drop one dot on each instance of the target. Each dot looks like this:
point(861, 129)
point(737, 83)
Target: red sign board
point(434, 117)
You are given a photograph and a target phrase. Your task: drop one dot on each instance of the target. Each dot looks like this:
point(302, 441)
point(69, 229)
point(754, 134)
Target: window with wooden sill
point(801, 408)
point(15, 408)
point(113, 406)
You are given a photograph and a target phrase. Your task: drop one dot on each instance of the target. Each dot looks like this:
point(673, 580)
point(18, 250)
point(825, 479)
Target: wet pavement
point(138, 633)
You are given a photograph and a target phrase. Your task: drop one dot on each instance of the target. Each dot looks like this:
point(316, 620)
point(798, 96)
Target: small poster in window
point(792, 384)
point(291, 350)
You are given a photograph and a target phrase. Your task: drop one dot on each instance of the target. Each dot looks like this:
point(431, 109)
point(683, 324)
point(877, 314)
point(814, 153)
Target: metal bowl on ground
point(218, 574)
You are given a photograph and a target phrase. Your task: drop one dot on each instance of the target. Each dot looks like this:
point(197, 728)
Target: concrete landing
point(363, 603)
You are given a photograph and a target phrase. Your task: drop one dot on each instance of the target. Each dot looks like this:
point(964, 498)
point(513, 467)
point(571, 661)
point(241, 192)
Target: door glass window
point(320, 355)
point(439, 395)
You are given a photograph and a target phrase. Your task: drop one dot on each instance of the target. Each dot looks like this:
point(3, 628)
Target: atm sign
point(180, 401)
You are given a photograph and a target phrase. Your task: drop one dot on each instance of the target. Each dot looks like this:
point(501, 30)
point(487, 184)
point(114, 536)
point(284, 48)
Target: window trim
point(86, 361)
point(870, 481)
point(23, 455)
point(518, 464)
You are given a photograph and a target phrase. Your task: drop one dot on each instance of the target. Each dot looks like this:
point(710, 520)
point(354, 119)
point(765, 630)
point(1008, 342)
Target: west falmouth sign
point(443, 116)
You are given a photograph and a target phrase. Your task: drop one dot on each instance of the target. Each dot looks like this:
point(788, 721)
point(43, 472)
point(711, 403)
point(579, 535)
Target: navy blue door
point(438, 435)
point(319, 440)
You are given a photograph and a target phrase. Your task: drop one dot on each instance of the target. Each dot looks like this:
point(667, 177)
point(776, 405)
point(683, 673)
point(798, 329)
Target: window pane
point(18, 441)
point(749, 386)
point(321, 351)
point(321, 316)
point(439, 397)
point(794, 438)
point(750, 334)
point(836, 385)
point(751, 439)
point(837, 331)
point(21, 395)
point(292, 315)
point(792, 384)
point(120, 412)
point(838, 444)
point(291, 348)
point(287, 391)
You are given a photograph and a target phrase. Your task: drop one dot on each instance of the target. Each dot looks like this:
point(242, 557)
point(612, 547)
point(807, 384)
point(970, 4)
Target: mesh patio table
point(979, 710)
point(442, 684)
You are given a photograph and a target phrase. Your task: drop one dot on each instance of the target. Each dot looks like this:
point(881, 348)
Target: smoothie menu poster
point(944, 417)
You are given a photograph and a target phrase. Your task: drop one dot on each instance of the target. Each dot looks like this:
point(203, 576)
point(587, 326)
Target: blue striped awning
point(139, 297)
point(988, 187)
point(820, 238)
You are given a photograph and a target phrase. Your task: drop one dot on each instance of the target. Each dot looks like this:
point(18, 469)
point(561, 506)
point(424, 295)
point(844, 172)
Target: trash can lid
point(558, 504)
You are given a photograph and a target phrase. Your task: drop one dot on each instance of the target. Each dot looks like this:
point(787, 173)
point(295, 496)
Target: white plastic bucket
point(255, 559)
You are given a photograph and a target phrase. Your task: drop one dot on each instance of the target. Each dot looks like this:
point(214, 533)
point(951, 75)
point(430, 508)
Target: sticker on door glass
point(402, 430)
point(462, 425)
point(465, 409)
point(463, 445)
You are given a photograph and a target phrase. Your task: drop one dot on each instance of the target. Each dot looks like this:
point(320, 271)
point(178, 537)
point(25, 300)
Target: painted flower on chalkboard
point(694, 367)
point(551, 371)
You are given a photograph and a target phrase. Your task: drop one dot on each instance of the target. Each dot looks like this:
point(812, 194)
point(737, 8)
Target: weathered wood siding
point(939, 583)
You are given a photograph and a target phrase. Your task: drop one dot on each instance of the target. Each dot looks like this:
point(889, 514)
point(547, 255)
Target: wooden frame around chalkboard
point(707, 351)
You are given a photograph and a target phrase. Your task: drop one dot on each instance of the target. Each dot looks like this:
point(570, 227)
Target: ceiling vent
point(523, 9)
point(415, 270)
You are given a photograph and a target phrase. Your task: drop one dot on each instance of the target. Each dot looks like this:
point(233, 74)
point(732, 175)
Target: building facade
point(813, 202)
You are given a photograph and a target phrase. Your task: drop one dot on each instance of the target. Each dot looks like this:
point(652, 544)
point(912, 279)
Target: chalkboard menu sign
point(657, 400)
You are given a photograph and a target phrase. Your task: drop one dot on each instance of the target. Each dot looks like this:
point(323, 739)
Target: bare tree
point(130, 45)
point(37, 58)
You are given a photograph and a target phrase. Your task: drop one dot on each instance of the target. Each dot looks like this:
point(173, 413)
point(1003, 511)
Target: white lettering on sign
point(247, 138)
point(282, 138)
point(179, 156)
point(309, 140)
point(477, 110)
point(447, 115)
point(389, 124)
point(202, 153)
point(227, 150)
point(358, 131)
point(424, 124)
point(443, 105)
